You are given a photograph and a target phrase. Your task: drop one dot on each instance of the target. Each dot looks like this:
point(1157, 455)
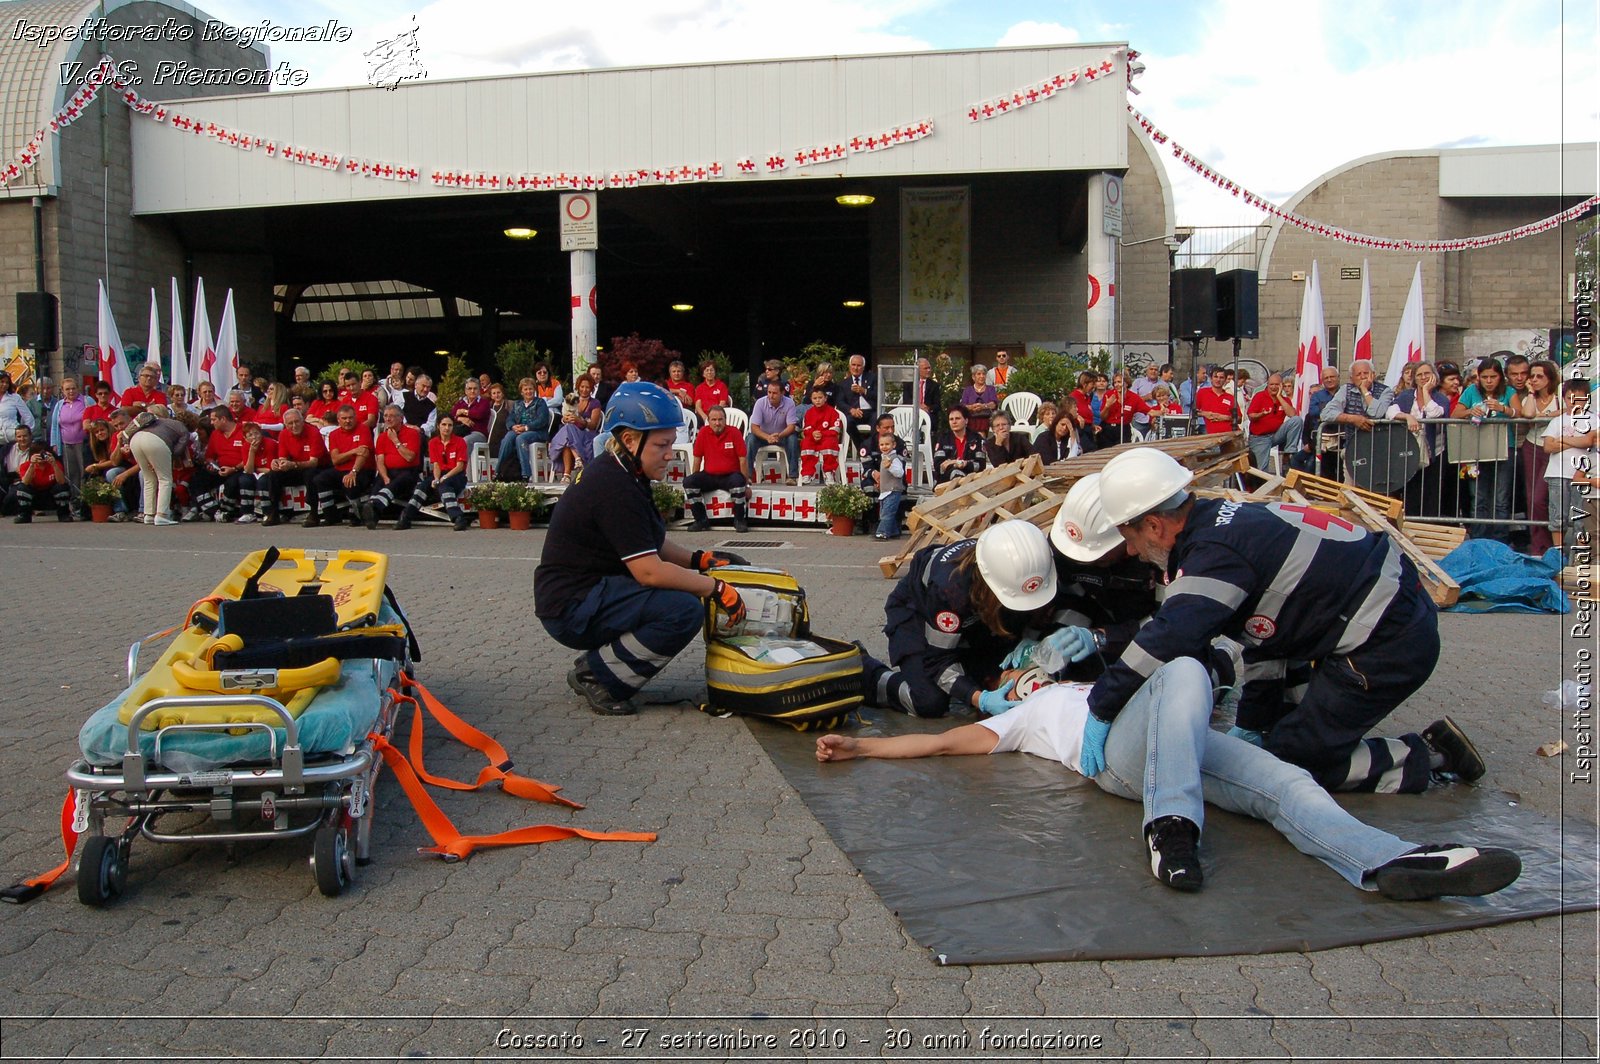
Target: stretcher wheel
point(102, 869)
point(333, 857)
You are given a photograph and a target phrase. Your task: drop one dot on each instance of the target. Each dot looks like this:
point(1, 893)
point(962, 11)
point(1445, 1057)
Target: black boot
point(700, 523)
point(739, 522)
point(312, 521)
point(461, 521)
point(64, 513)
point(24, 517)
point(403, 522)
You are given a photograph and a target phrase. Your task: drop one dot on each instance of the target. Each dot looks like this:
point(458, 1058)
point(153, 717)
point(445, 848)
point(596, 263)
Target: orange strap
point(499, 766)
point(30, 889)
point(449, 843)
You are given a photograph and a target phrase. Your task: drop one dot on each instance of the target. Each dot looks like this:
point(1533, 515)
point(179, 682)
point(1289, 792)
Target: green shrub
point(668, 499)
point(516, 359)
point(97, 491)
point(843, 500)
point(333, 369)
point(452, 384)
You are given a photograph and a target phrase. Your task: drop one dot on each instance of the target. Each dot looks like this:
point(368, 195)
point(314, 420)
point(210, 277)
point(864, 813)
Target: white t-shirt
point(1048, 724)
point(1570, 462)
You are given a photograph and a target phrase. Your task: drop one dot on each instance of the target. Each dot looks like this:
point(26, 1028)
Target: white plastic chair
point(737, 419)
point(478, 465)
point(773, 459)
point(683, 445)
point(1021, 406)
point(902, 427)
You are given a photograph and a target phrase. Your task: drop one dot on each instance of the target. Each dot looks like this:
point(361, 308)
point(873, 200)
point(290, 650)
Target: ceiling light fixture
point(853, 303)
point(521, 232)
point(855, 199)
point(682, 307)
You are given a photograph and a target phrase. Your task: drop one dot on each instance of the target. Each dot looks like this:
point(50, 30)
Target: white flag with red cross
point(202, 348)
point(1363, 346)
point(1312, 354)
point(181, 375)
point(225, 373)
point(1409, 342)
point(113, 368)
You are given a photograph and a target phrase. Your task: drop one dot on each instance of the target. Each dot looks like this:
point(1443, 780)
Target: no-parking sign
point(580, 225)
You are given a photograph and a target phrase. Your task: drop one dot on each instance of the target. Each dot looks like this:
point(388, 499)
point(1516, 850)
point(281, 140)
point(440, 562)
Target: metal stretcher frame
point(289, 798)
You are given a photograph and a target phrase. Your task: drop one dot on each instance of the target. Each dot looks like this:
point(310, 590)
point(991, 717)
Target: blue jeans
point(522, 443)
point(1162, 751)
point(889, 513)
point(790, 445)
point(1492, 499)
point(630, 631)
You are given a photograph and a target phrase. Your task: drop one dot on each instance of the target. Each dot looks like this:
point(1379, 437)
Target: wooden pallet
point(1441, 588)
point(1028, 490)
point(1332, 492)
point(1434, 540)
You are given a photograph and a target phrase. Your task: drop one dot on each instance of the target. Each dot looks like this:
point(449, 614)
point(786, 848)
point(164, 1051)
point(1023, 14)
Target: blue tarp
point(1496, 579)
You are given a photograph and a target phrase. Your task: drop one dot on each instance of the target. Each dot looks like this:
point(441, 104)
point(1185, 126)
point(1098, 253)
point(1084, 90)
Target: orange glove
point(727, 596)
point(704, 560)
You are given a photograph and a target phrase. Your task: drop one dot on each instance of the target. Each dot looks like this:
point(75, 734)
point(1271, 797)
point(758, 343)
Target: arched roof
point(31, 85)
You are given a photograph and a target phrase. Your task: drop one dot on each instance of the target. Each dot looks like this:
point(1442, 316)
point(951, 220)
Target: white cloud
point(1023, 33)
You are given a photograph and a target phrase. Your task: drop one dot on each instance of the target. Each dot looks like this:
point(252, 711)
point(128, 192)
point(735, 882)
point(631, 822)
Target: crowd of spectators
point(359, 445)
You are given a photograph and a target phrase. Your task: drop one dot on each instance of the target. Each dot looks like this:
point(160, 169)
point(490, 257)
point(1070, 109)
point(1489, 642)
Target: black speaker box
point(1194, 303)
point(1238, 305)
point(36, 320)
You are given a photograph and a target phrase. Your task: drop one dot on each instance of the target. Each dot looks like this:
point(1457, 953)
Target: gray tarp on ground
point(1011, 858)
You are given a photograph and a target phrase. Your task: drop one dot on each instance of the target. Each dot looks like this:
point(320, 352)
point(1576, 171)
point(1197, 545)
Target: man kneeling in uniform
point(1161, 750)
point(610, 582)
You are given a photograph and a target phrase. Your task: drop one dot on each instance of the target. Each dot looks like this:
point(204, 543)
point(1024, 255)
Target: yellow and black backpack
point(812, 693)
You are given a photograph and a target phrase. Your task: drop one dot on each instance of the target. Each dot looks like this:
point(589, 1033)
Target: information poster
point(935, 264)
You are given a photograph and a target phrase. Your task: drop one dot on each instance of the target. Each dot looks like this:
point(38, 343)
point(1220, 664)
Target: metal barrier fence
point(1487, 475)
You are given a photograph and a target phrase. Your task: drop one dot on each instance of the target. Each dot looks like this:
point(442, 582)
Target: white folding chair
point(1021, 406)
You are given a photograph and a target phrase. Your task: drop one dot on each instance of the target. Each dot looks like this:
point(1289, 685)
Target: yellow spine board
point(355, 579)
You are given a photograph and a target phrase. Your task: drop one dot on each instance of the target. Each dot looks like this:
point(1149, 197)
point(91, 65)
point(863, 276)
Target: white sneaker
point(163, 519)
point(247, 519)
point(220, 518)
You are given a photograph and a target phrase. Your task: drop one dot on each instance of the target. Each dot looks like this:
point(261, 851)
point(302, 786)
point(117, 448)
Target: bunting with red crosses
point(1334, 232)
point(778, 161)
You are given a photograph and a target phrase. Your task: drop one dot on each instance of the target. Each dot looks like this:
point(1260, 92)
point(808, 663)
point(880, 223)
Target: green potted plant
point(844, 503)
point(99, 496)
point(484, 498)
point(519, 502)
point(668, 499)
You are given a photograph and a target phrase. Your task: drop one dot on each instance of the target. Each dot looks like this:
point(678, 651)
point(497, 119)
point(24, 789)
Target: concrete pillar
point(585, 322)
point(1100, 250)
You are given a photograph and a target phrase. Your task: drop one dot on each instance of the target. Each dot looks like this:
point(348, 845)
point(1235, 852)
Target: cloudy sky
point(1272, 94)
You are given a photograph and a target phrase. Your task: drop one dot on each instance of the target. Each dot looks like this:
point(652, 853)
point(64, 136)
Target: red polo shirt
point(384, 447)
point(1216, 402)
point(227, 449)
point(306, 447)
point(342, 441)
point(138, 395)
point(446, 456)
point(1266, 415)
point(721, 453)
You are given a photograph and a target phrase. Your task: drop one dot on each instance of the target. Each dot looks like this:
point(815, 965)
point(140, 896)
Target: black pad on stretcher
point(1011, 858)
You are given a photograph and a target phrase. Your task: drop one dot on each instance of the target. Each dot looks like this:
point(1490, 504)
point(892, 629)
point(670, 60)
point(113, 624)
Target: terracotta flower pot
point(842, 526)
point(100, 512)
point(488, 518)
point(520, 520)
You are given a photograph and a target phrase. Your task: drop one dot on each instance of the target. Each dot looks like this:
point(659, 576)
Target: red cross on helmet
point(1082, 531)
point(1014, 559)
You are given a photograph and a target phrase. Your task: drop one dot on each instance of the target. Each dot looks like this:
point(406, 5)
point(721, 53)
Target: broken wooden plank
point(1441, 588)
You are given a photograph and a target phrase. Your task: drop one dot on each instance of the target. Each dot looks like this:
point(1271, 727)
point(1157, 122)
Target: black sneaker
point(462, 523)
point(1436, 871)
point(1174, 857)
point(601, 700)
point(369, 514)
point(312, 521)
point(1461, 758)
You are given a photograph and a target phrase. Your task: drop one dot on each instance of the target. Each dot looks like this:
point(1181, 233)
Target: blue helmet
point(643, 406)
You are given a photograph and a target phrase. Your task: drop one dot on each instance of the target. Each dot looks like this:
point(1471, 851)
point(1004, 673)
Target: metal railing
point(1481, 474)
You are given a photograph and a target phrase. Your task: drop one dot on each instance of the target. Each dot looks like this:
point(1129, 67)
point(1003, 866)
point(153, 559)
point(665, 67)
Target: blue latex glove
point(1254, 738)
point(1022, 656)
point(1092, 758)
point(996, 702)
point(1073, 644)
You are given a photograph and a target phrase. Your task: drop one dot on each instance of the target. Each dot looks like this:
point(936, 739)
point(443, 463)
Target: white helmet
point(1015, 561)
point(1082, 530)
point(1139, 481)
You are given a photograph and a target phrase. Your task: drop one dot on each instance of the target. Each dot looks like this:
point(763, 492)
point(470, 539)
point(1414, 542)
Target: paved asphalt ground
point(743, 921)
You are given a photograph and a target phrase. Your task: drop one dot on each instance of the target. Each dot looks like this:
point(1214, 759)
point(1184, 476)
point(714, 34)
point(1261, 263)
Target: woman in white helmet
point(955, 614)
